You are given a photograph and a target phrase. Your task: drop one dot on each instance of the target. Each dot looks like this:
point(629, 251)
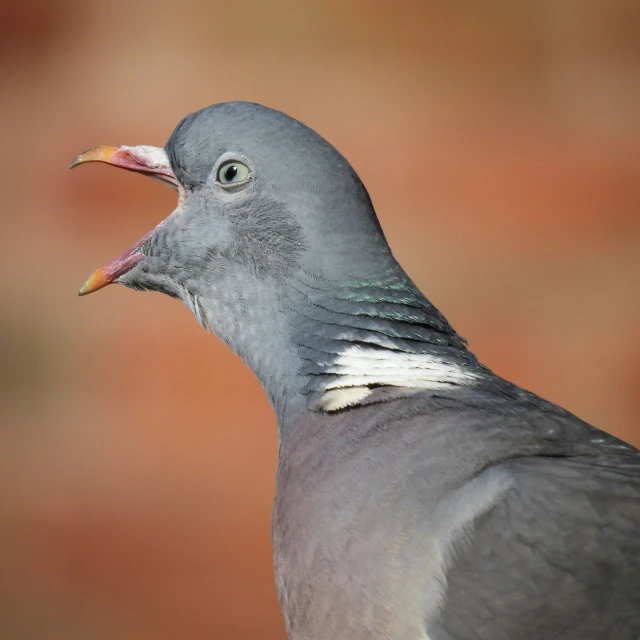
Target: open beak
point(150, 161)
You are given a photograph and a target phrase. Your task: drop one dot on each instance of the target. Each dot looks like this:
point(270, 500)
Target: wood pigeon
point(419, 496)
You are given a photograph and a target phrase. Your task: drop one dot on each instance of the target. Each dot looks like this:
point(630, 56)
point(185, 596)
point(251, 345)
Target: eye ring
point(232, 173)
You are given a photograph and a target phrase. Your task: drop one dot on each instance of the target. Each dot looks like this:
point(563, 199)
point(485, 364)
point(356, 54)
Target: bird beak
point(114, 269)
point(150, 161)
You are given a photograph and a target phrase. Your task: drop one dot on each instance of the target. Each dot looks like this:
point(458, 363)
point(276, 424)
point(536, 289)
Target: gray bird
point(419, 496)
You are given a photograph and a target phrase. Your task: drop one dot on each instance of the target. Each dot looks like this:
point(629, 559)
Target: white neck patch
point(358, 368)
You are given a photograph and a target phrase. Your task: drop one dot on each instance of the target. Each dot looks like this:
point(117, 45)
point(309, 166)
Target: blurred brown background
point(500, 142)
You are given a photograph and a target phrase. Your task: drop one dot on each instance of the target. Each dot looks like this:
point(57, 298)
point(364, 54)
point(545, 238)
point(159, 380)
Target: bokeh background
point(499, 140)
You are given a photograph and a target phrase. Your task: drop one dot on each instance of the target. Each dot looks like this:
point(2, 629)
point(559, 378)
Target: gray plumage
point(418, 496)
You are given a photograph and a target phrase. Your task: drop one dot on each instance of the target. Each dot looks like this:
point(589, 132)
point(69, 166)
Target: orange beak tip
point(97, 280)
point(101, 153)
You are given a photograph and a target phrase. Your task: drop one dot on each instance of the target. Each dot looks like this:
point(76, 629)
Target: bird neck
point(326, 345)
point(364, 340)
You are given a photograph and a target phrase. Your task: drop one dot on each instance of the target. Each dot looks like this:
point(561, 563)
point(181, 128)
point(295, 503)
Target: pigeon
point(419, 496)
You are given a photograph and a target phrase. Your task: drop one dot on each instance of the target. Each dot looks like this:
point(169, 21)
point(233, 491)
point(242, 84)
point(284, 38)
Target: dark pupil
point(230, 173)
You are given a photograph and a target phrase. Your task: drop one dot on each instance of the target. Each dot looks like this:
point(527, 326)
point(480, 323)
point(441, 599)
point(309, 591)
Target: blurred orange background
point(500, 143)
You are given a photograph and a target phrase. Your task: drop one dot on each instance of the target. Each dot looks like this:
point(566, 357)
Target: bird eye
point(231, 173)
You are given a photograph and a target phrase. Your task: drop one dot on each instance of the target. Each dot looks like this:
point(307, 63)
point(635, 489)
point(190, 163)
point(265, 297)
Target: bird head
point(261, 196)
